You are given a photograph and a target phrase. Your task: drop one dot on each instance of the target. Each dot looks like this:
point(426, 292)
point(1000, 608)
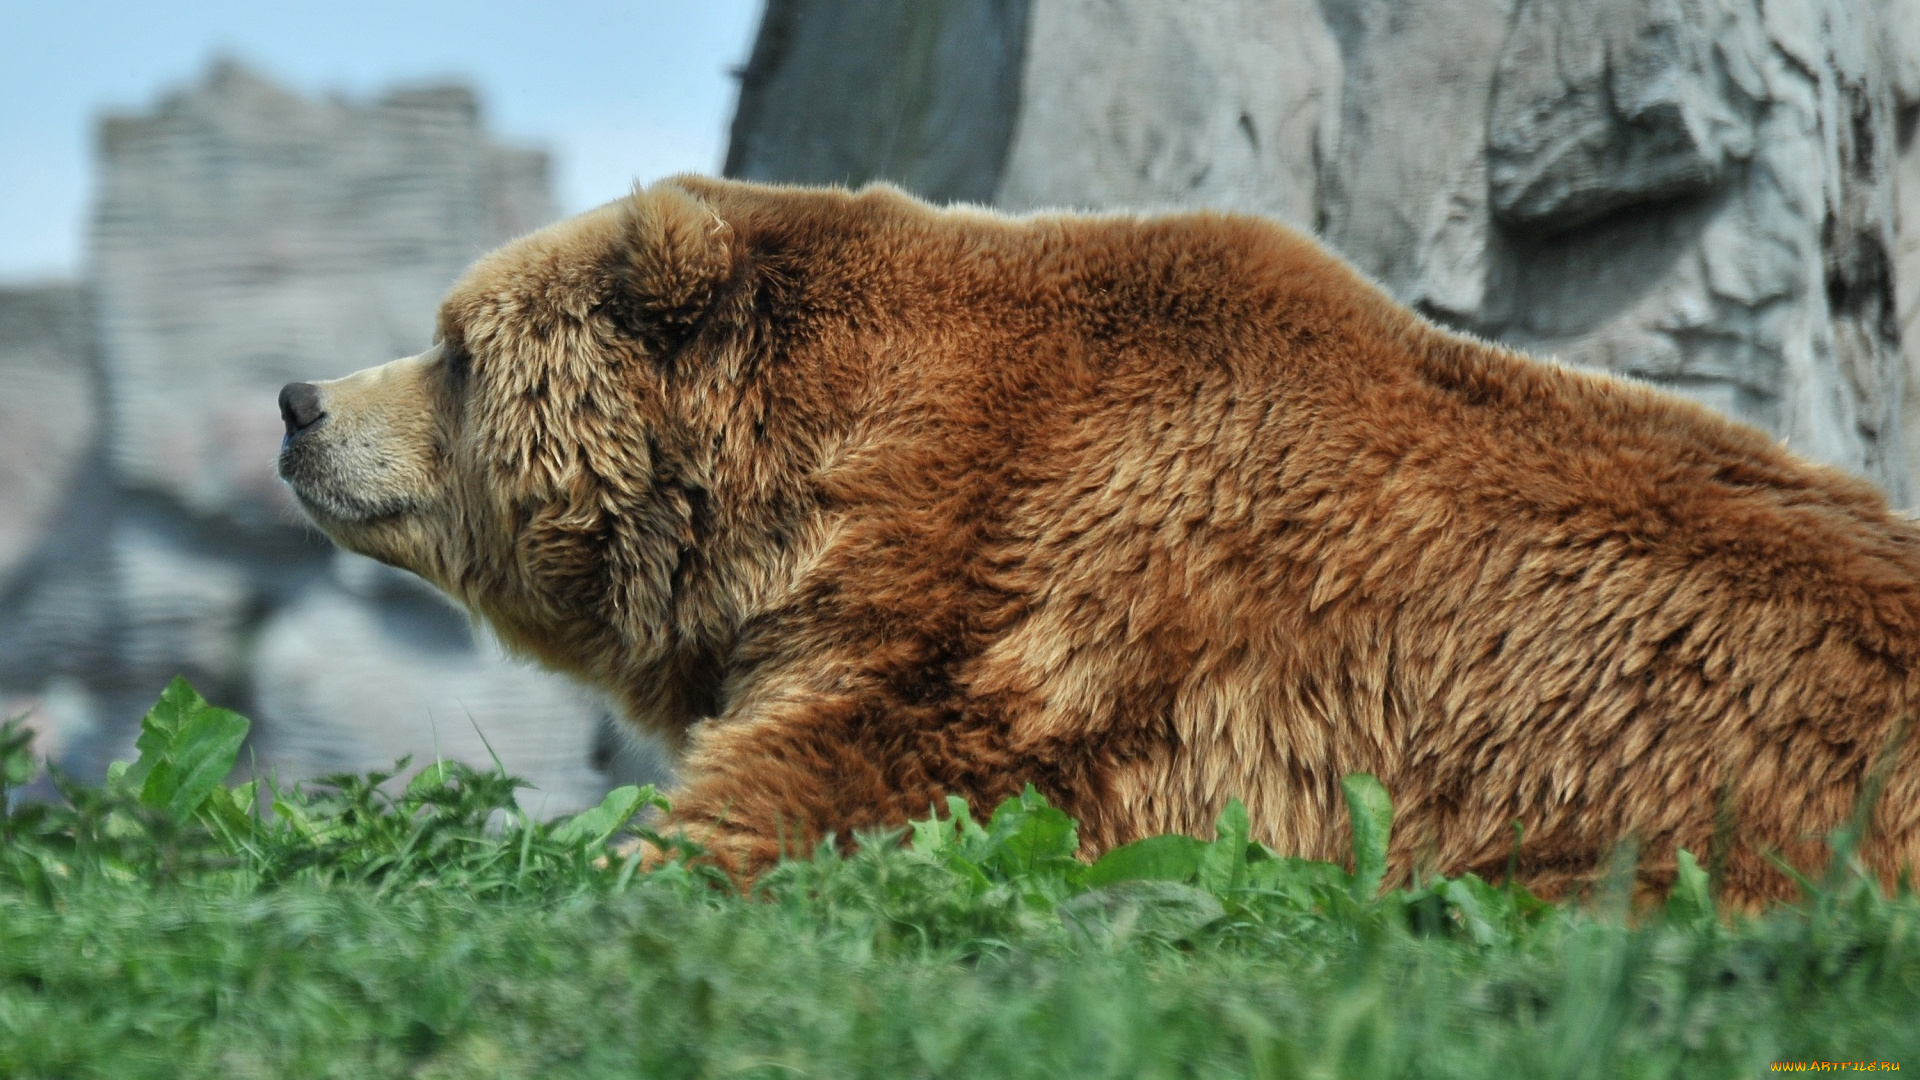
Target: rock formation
point(1210, 104)
point(47, 412)
point(1696, 192)
point(886, 69)
point(245, 237)
point(1902, 20)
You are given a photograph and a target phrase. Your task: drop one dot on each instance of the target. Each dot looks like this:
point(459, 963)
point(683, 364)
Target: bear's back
point(1171, 509)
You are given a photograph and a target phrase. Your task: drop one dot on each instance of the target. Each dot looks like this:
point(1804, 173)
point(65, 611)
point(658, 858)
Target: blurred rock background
point(1719, 196)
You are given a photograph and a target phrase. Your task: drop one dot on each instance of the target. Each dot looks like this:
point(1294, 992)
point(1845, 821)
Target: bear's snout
point(361, 448)
point(300, 407)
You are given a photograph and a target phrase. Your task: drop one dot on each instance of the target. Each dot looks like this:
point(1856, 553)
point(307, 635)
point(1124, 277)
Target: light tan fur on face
point(372, 468)
point(869, 503)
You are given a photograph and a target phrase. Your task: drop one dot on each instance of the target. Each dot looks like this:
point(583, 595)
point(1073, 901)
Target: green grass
point(168, 925)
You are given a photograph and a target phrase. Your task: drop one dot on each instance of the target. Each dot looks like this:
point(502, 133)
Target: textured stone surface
point(245, 237)
point(1902, 19)
point(1602, 106)
point(920, 92)
point(1696, 192)
point(61, 716)
point(1762, 289)
point(47, 409)
point(56, 602)
point(178, 611)
point(1404, 192)
point(1707, 218)
point(58, 607)
point(413, 658)
point(1221, 104)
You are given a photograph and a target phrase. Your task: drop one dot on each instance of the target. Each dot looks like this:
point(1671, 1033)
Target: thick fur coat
point(864, 502)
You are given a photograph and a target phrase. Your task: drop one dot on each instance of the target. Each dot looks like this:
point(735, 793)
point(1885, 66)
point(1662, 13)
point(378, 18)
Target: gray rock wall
point(1902, 20)
point(1701, 193)
point(245, 237)
point(920, 92)
point(49, 413)
point(1732, 165)
point(1232, 103)
point(47, 410)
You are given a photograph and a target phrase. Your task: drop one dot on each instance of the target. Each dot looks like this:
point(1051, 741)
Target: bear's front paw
point(741, 855)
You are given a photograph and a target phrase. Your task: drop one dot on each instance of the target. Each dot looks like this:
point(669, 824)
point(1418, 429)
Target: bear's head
point(539, 462)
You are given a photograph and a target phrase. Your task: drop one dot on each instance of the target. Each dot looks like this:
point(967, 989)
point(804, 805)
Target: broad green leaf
point(591, 828)
point(971, 836)
point(1223, 863)
point(432, 777)
point(122, 825)
point(232, 809)
point(1464, 895)
point(1163, 910)
point(158, 729)
point(1157, 858)
point(971, 872)
point(1293, 875)
point(187, 747)
point(957, 840)
point(1026, 835)
point(203, 754)
point(1370, 813)
point(956, 836)
point(1691, 900)
point(296, 815)
point(17, 766)
point(932, 836)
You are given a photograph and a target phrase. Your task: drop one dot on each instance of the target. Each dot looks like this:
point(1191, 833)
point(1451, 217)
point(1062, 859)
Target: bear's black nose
point(300, 406)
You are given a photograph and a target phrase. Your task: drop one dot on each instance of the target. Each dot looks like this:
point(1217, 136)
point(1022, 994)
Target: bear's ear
point(672, 258)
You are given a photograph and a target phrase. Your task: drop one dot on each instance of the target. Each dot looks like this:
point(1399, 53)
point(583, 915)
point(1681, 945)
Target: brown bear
point(864, 502)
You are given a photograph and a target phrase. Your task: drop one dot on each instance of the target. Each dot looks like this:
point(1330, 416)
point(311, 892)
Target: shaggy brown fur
point(866, 502)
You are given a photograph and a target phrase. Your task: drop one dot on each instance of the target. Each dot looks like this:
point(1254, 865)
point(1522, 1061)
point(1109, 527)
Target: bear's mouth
point(329, 492)
point(342, 473)
point(286, 441)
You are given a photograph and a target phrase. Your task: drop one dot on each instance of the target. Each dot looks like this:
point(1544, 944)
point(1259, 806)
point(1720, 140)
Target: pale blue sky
point(617, 91)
